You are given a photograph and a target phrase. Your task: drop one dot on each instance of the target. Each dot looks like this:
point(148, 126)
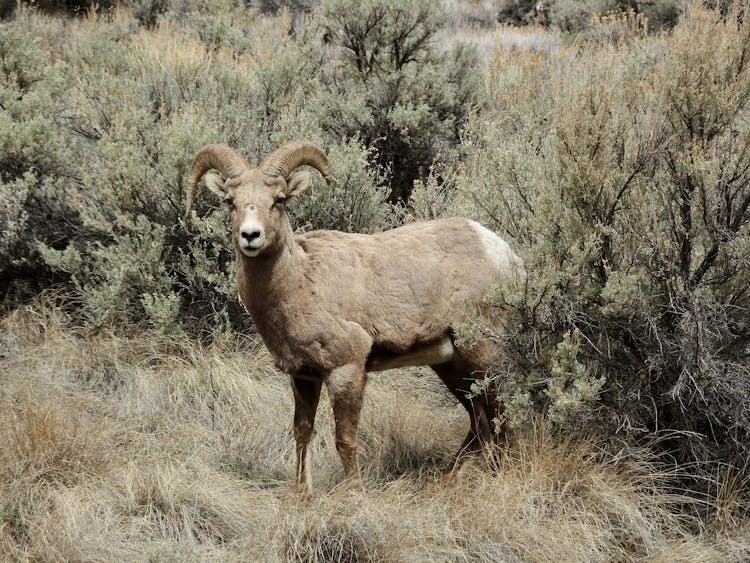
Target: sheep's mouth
point(251, 248)
point(250, 251)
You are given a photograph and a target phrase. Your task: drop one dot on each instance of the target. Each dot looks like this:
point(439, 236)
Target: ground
point(150, 447)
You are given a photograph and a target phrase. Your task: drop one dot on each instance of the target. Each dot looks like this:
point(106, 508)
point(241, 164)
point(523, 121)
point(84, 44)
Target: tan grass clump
point(152, 448)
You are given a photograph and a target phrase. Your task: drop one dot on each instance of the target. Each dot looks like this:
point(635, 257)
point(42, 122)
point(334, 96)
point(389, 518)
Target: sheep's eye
point(230, 203)
point(280, 200)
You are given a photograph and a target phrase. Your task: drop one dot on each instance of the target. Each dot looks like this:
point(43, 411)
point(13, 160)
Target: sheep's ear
point(298, 183)
point(215, 183)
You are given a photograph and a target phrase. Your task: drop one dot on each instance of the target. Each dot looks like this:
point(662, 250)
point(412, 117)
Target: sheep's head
point(256, 196)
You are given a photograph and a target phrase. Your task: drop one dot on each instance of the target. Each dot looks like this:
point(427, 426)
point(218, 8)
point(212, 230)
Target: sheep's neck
point(267, 282)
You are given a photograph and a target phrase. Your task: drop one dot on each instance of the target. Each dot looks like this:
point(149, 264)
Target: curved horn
point(283, 160)
point(220, 157)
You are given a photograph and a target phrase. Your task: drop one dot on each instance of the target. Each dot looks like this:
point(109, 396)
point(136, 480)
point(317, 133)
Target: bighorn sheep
point(331, 306)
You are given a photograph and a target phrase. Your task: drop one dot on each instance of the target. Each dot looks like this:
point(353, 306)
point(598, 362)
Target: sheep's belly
point(433, 353)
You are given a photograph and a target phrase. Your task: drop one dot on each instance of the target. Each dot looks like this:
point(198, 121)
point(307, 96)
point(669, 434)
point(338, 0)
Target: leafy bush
point(35, 161)
point(100, 139)
point(576, 16)
point(89, 194)
point(355, 202)
point(624, 176)
point(385, 83)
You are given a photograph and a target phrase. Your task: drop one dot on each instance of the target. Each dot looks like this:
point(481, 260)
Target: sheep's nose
point(251, 234)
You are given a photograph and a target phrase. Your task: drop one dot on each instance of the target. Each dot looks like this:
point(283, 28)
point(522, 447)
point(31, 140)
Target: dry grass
point(154, 448)
point(507, 38)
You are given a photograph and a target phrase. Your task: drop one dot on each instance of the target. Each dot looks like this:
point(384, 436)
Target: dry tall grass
point(158, 449)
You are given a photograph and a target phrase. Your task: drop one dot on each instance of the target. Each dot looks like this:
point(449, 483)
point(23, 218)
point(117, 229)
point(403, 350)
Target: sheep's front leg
point(346, 386)
point(306, 396)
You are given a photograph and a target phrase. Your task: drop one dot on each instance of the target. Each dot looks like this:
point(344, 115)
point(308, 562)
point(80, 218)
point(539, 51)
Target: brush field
point(141, 419)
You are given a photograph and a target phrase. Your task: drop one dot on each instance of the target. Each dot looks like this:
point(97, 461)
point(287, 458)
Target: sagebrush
point(625, 177)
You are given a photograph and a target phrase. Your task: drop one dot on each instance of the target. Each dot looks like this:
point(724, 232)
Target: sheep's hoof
point(351, 486)
point(300, 493)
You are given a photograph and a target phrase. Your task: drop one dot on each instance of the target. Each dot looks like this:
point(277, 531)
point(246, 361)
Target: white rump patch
point(497, 249)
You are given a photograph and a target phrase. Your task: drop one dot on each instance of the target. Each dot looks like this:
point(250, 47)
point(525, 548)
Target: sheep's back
point(410, 284)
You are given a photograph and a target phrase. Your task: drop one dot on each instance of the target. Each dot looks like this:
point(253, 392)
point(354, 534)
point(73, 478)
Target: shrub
point(109, 173)
point(67, 174)
point(355, 202)
point(142, 263)
point(385, 83)
point(35, 161)
point(575, 16)
point(624, 177)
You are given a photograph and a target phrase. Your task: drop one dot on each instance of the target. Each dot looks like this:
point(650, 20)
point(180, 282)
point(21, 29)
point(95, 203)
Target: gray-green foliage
point(354, 202)
point(109, 168)
point(98, 134)
point(580, 15)
point(35, 158)
point(142, 124)
point(625, 178)
point(385, 82)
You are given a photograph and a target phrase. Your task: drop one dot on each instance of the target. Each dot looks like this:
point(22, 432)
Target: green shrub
point(101, 137)
point(95, 144)
point(624, 178)
point(35, 161)
point(143, 264)
point(385, 82)
point(576, 16)
point(354, 202)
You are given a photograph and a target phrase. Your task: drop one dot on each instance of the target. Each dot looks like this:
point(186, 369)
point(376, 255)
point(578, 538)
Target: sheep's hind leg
point(457, 377)
point(306, 396)
point(346, 386)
